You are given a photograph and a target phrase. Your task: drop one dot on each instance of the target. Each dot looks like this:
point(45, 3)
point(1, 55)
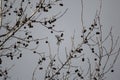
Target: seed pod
point(83, 59)
point(61, 4)
point(97, 32)
point(76, 70)
point(61, 34)
point(0, 61)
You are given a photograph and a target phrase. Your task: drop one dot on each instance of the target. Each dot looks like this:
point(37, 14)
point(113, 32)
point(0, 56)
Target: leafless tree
point(78, 64)
point(17, 18)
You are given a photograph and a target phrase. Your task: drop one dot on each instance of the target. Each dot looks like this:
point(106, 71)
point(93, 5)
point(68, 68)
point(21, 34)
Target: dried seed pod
point(43, 58)
point(79, 74)
point(76, 70)
point(40, 68)
point(61, 34)
point(37, 42)
point(46, 41)
point(54, 68)
point(97, 32)
point(0, 61)
point(61, 4)
point(83, 59)
point(112, 70)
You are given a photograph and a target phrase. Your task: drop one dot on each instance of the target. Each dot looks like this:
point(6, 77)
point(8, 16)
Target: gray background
point(70, 22)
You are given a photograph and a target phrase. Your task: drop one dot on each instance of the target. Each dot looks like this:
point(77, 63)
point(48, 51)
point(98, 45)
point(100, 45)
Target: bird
point(59, 39)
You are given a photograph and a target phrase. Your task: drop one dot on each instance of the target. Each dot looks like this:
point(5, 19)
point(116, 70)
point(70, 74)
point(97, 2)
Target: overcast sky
point(70, 22)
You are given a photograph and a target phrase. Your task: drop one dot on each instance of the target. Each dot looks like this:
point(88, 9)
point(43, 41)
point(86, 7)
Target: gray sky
point(70, 22)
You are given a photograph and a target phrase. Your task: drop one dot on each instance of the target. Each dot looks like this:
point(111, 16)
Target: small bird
point(59, 39)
